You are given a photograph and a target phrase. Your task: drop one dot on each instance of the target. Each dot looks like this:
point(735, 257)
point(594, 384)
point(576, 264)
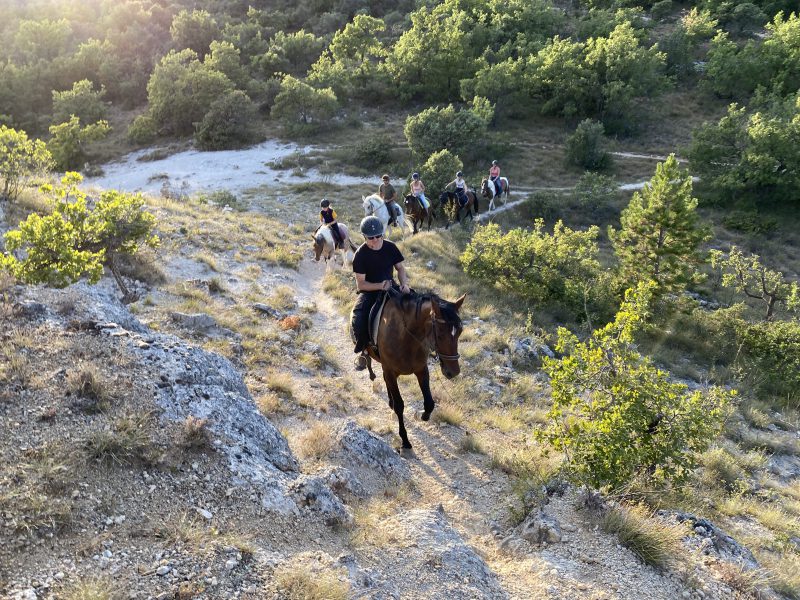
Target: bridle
point(439, 355)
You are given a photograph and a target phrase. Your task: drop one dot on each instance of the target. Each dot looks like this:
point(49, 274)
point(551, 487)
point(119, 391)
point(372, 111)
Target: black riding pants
point(359, 318)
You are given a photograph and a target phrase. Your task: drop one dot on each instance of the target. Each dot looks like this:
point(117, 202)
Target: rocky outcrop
point(361, 448)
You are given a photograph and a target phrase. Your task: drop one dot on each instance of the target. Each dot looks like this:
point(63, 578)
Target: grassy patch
point(449, 414)
point(90, 388)
point(126, 440)
point(202, 537)
point(655, 542)
point(92, 588)
point(471, 444)
point(297, 581)
point(195, 433)
point(316, 442)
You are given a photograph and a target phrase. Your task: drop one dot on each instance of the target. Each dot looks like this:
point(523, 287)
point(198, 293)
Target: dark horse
point(412, 327)
point(417, 212)
point(448, 198)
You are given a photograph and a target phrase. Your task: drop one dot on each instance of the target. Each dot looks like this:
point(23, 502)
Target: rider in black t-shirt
point(373, 265)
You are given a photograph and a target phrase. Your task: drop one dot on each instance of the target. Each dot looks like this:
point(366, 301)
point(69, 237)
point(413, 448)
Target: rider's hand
point(405, 289)
point(386, 285)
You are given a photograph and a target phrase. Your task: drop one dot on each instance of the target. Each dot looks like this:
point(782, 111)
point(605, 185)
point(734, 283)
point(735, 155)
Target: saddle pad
point(375, 319)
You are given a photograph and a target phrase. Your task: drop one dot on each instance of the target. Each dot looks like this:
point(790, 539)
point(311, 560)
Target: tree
point(181, 90)
point(81, 101)
point(616, 417)
point(462, 132)
point(586, 146)
point(661, 232)
point(224, 57)
point(76, 241)
point(302, 107)
point(194, 30)
point(20, 158)
point(229, 123)
point(747, 275)
point(438, 171)
point(535, 265)
point(432, 56)
point(353, 57)
point(68, 142)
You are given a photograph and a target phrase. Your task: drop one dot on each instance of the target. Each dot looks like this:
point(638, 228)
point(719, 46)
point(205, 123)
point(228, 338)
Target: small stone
point(162, 570)
point(107, 553)
point(231, 564)
point(204, 513)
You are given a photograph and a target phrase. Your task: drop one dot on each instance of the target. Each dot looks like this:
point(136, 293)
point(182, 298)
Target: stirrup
point(360, 362)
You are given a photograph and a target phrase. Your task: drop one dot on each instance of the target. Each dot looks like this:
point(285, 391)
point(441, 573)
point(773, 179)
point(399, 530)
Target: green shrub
point(302, 108)
point(81, 101)
point(536, 265)
point(438, 171)
point(20, 159)
point(460, 131)
point(371, 153)
point(772, 357)
point(595, 190)
point(618, 418)
point(586, 146)
point(143, 130)
point(69, 141)
point(661, 9)
point(229, 123)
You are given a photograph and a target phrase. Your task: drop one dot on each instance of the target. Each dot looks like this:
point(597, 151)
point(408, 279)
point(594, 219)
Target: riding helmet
point(459, 174)
point(494, 163)
point(371, 226)
point(415, 176)
point(325, 203)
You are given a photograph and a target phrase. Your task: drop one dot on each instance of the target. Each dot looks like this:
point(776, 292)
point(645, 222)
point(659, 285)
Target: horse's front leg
point(396, 402)
point(424, 379)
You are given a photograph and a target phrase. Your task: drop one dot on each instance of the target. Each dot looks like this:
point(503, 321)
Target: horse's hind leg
point(396, 402)
point(424, 379)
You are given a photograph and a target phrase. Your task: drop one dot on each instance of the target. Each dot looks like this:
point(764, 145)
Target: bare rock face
point(313, 491)
point(358, 447)
point(438, 563)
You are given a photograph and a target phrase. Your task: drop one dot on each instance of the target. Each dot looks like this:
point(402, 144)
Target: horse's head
point(319, 245)
point(444, 197)
point(408, 201)
point(370, 204)
point(446, 330)
point(485, 189)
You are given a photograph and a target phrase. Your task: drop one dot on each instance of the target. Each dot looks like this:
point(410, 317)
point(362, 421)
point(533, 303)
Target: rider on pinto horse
point(327, 216)
point(494, 177)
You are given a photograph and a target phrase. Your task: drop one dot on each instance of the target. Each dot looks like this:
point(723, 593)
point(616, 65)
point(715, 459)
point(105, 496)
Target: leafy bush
point(81, 101)
point(749, 221)
point(229, 123)
point(586, 146)
point(772, 357)
point(462, 132)
point(371, 153)
point(75, 240)
point(68, 144)
point(302, 108)
point(536, 265)
point(20, 158)
point(143, 130)
point(438, 171)
point(595, 190)
point(661, 9)
point(616, 416)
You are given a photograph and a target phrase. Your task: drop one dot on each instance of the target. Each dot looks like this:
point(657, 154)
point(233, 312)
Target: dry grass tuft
point(292, 322)
point(202, 537)
point(654, 541)
point(88, 385)
point(446, 413)
point(304, 582)
point(281, 383)
point(127, 440)
point(196, 434)
point(471, 444)
point(316, 443)
point(743, 579)
point(93, 588)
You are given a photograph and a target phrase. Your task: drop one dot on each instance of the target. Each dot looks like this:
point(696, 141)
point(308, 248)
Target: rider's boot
point(361, 362)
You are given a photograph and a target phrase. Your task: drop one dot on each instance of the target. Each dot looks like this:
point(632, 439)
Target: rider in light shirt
point(494, 177)
point(418, 189)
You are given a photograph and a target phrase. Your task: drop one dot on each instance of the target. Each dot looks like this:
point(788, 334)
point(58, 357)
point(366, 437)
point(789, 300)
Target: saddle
point(375, 320)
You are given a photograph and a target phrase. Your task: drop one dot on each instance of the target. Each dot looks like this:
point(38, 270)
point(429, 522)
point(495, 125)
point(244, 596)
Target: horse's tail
point(476, 204)
point(352, 245)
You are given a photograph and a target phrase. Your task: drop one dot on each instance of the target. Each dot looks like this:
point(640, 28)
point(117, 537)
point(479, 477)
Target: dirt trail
point(475, 496)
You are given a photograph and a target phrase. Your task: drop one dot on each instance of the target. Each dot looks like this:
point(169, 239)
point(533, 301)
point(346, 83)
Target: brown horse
point(412, 327)
point(417, 212)
point(448, 199)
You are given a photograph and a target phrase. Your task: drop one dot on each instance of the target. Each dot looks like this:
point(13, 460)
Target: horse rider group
point(376, 260)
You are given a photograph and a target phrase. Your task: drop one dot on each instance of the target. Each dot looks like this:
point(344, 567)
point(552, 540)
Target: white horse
point(325, 247)
point(488, 190)
point(374, 205)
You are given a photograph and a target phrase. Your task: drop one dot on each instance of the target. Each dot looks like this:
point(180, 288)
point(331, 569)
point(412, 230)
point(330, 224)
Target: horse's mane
point(447, 308)
point(373, 197)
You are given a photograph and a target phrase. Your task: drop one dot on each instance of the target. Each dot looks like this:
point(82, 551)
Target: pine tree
point(661, 232)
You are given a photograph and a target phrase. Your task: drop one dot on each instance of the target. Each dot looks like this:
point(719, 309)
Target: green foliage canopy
point(20, 158)
point(460, 131)
point(69, 140)
point(75, 240)
point(303, 108)
point(616, 417)
point(81, 101)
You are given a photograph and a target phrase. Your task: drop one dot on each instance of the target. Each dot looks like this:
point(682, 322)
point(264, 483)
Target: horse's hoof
point(426, 416)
